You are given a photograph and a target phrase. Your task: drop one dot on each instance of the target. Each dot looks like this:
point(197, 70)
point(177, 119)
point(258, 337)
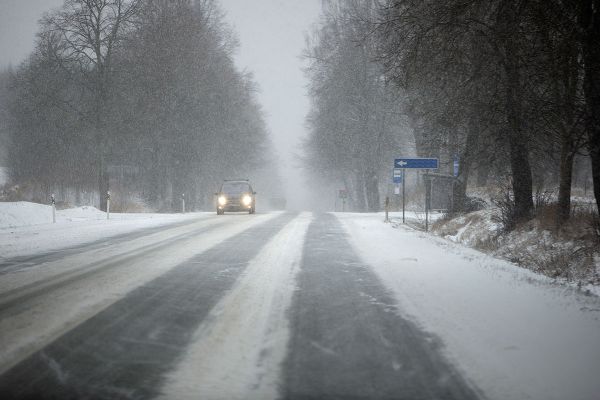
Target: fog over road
point(267, 306)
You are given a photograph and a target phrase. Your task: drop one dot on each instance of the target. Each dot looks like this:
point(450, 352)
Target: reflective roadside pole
point(108, 204)
point(53, 202)
point(387, 209)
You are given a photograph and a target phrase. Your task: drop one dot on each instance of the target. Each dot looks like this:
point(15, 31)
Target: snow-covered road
point(283, 305)
point(515, 334)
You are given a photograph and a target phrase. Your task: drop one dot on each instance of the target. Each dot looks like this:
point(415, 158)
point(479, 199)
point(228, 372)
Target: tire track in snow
point(125, 350)
point(348, 340)
point(19, 296)
point(16, 264)
point(39, 320)
point(238, 350)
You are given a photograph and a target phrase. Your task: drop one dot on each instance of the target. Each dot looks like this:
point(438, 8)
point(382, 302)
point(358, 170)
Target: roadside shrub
point(474, 203)
point(124, 202)
point(506, 210)
point(545, 215)
point(543, 198)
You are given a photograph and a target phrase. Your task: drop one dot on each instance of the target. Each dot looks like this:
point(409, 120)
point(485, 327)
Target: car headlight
point(222, 200)
point(247, 200)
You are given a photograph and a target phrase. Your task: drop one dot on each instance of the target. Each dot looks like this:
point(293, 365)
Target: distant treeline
point(510, 88)
point(146, 87)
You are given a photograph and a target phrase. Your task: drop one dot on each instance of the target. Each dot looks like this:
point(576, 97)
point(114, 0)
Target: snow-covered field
point(516, 334)
point(27, 228)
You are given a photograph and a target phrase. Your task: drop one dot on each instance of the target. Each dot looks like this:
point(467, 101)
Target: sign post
point(428, 181)
point(403, 194)
point(415, 163)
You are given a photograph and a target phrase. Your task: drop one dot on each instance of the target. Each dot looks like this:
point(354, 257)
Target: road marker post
point(387, 208)
point(108, 204)
point(183, 203)
point(53, 201)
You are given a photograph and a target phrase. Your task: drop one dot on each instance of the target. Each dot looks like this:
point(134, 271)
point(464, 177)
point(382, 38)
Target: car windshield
point(235, 188)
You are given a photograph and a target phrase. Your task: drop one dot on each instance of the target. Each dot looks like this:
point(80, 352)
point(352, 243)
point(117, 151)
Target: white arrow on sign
point(402, 163)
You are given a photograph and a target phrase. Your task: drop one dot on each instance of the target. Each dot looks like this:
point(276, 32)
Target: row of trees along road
point(149, 85)
point(512, 87)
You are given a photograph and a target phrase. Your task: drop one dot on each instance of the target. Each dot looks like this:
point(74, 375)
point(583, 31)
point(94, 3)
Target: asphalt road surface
point(235, 306)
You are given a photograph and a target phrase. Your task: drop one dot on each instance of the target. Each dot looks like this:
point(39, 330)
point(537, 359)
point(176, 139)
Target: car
point(236, 195)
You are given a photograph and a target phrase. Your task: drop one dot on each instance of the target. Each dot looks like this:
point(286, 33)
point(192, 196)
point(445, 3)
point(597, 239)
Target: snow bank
point(515, 334)
point(27, 228)
point(23, 213)
point(474, 229)
point(567, 255)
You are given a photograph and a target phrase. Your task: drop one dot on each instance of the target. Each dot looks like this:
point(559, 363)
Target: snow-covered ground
point(515, 334)
point(27, 228)
point(567, 254)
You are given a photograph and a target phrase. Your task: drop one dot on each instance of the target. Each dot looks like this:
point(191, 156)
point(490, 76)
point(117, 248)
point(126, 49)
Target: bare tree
point(88, 33)
point(354, 118)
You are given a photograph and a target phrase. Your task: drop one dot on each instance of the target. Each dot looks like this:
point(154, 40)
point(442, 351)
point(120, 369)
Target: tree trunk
point(372, 187)
point(359, 188)
point(102, 179)
point(565, 93)
point(518, 144)
point(590, 22)
point(78, 201)
point(459, 190)
point(566, 174)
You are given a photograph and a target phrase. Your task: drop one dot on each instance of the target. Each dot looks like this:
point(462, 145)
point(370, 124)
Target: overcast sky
point(18, 26)
point(271, 34)
point(272, 37)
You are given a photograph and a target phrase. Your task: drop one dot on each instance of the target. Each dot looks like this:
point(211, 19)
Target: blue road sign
point(416, 163)
point(456, 165)
point(397, 175)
